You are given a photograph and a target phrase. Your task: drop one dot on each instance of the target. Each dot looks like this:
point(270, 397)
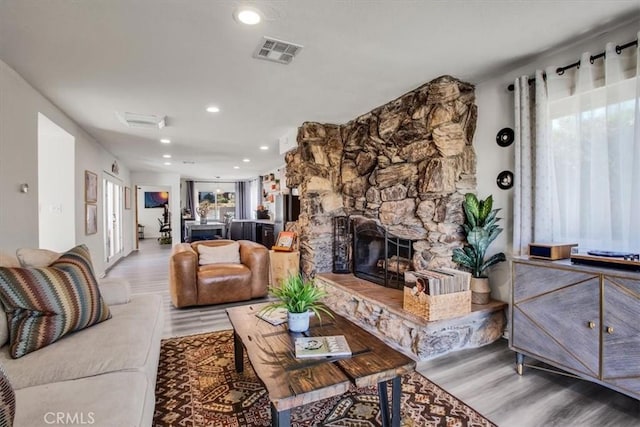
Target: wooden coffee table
point(293, 382)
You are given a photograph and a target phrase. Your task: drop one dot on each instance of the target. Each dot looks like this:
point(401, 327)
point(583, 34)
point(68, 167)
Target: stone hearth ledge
point(379, 311)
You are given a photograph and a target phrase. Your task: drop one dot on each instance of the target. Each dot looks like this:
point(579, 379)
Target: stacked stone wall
point(407, 164)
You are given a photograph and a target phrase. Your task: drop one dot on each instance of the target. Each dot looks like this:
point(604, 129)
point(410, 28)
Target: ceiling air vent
point(277, 50)
point(146, 121)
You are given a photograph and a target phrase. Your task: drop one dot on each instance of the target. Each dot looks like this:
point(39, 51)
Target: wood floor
point(483, 378)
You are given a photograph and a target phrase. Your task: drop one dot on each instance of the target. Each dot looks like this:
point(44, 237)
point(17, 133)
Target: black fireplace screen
point(379, 256)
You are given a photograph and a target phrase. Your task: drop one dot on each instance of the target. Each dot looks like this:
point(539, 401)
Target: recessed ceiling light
point(246, 160)
point(166, 156)
point(264, 147)
point(165, 141)
point(236, 167)
point(247, 16)
point(167, 163)
point(213, 109)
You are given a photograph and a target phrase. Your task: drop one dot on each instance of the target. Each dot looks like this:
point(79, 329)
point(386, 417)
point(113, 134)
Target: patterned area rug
point(198, 386)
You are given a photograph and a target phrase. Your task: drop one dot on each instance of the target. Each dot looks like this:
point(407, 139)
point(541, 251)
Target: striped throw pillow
point(44, 304)
point(7, 400)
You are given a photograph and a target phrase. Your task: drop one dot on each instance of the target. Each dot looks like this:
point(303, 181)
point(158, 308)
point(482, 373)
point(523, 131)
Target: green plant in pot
point(299, 296)
point(481, 229)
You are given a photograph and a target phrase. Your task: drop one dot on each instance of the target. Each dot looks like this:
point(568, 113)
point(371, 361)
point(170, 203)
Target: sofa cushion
point(224, 254)
point(130, 340)
point(7, 260)
point(220, 283)
point(114, 290)
point(112, 400)
point(44, 304)
point(7, 400)
point(30, 257)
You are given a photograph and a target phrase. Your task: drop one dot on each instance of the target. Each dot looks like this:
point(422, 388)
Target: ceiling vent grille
point(145, 121)
point(277, 50)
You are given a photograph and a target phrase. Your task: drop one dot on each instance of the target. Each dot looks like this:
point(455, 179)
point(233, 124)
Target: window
point(594, 173)
point(221, 195)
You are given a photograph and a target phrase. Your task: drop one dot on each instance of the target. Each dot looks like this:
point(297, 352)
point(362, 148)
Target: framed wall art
point(91, 219)
point(155, 199)
point(90, 187)
point(286, 241)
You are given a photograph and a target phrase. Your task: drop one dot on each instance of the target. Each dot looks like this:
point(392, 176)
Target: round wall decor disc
point(505, 180)
point(505, 137)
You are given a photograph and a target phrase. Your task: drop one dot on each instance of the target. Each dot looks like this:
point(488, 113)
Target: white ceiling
point(174, 58)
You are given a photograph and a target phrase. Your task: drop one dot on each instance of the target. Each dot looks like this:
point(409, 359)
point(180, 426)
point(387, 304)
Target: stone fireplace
point(406, 164)
point(378, 256)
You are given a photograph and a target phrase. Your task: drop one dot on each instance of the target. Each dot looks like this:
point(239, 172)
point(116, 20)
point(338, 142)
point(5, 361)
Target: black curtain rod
point(560, 70)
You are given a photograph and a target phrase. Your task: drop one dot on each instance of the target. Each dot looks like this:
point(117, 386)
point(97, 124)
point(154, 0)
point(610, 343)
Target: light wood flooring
point(484, 378)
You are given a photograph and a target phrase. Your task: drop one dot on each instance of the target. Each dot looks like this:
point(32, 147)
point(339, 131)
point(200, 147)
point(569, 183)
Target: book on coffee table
point(327, 346)
point(276, 317)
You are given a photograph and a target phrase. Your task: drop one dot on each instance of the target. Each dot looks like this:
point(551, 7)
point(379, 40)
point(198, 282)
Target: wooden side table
point(283, 264)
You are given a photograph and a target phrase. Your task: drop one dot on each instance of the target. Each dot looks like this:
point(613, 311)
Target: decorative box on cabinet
point(583, 320)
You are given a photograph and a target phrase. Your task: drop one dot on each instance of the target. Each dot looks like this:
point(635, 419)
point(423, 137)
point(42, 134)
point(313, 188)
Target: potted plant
point(481, 229)
point(299, 296)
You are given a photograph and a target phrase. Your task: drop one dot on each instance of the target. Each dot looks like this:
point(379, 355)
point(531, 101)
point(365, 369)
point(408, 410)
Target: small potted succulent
point(300, 297)
point(480, 229)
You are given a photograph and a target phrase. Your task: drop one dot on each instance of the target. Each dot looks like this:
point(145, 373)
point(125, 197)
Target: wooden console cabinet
point(583, 320)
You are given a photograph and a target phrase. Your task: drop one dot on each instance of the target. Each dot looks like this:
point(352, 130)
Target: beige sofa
point(104, 375)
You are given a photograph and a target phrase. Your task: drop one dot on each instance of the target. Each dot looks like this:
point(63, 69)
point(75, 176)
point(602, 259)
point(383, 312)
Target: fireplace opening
point(379, 256)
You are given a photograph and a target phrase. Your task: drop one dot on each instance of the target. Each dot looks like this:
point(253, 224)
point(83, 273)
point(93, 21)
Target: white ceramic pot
point(480, 290)
point(298, 322)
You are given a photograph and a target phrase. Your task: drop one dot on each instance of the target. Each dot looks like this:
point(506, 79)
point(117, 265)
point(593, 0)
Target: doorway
point(113, 247)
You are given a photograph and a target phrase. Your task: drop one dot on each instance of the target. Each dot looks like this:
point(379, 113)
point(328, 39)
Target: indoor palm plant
point(299, 296)
point(481, 229)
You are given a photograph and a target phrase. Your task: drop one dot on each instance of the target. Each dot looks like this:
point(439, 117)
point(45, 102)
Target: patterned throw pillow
point(7, 400)
point(44, 304)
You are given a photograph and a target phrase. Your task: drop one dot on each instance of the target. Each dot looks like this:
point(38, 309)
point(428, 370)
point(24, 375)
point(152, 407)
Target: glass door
point(112, 220)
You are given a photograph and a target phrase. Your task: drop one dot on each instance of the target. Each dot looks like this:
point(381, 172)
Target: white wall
point(19, 107)
point(149, 216)
point(495, 111)
point(166, 182)
point(56, 182)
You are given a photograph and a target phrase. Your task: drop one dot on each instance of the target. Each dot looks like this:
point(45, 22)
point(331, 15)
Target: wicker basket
point(437, 307)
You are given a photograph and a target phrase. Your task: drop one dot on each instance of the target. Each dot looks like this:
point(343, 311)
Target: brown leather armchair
point(193, 284)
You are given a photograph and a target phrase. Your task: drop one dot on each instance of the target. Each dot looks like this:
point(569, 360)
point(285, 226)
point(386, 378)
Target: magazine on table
point(334, 345)
point(276, 317)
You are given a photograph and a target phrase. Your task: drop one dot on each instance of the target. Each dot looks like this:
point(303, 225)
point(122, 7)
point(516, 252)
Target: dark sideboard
point(261, 231)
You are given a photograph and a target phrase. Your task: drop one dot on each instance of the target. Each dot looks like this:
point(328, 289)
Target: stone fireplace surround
point(406, 164)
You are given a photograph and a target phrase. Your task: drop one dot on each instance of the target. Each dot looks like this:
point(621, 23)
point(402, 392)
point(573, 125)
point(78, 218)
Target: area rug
point(198, 386)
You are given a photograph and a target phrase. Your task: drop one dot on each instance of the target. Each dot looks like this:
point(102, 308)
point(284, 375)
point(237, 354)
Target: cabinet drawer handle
point(591, 324)
point(609, 329)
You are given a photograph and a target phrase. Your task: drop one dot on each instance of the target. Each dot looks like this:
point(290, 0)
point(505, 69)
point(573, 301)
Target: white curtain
point(578, 148)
